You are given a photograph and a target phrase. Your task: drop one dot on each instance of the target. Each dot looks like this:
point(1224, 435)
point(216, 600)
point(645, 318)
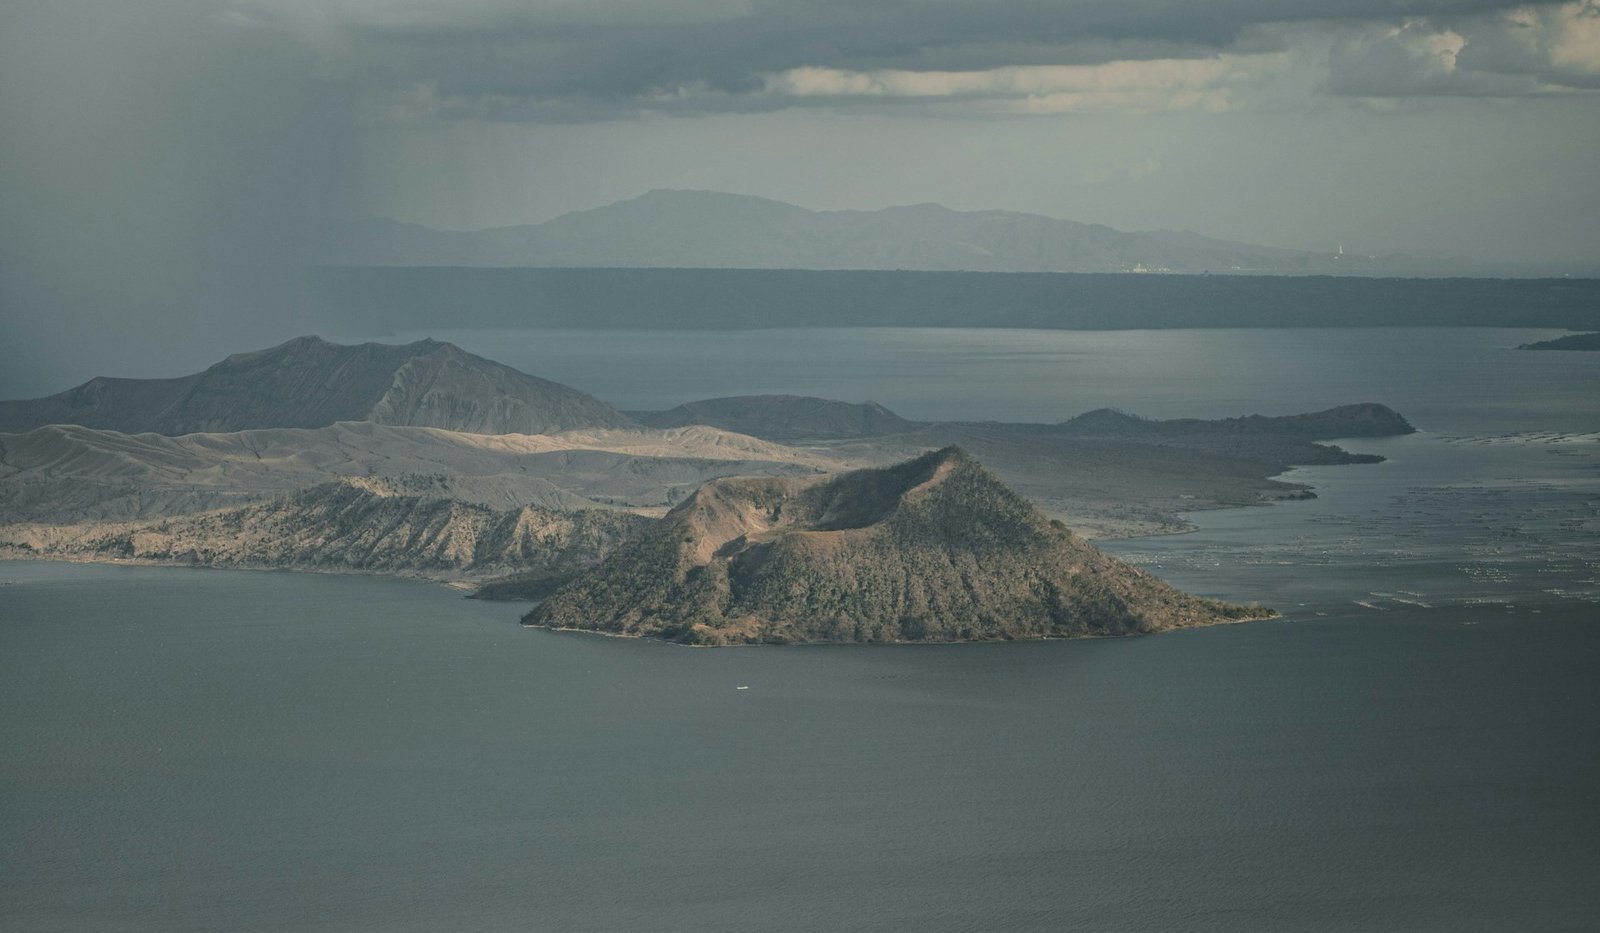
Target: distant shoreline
point(20, 555)
point(375, 299)
point(1584, 342)
point(1269, 615)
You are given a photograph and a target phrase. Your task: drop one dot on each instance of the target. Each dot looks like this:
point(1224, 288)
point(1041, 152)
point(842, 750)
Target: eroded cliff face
point(933, 549)
point(353, 525)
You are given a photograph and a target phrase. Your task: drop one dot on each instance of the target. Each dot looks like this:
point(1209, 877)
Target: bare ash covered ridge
point(353, 525)
point(933, 549)
point(64, 473)
point(310, 383)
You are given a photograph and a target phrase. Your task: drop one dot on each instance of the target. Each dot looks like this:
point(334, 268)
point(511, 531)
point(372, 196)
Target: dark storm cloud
point(161, 171)
point(509, 60)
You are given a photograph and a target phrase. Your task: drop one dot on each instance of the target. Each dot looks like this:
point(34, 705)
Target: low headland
point(1569, 342)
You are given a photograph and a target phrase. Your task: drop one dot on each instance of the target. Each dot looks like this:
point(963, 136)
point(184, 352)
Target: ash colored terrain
point(68, 473)
point(448, 466)
point(933, 549)
point(354, 526)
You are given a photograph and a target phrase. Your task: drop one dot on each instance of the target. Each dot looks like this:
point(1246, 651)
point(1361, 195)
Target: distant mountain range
point(710, 229)
point(310, 383)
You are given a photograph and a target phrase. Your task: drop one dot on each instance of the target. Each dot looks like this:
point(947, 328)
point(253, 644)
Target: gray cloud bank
point(605, 59)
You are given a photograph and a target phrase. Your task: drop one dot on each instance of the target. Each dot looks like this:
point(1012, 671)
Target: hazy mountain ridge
point(309, 382)
point(711, 229)
point(933, 549)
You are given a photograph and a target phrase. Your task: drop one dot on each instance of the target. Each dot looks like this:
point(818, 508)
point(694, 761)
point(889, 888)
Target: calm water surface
point(1413, 748)
point(192, 750)
point(1446, 379)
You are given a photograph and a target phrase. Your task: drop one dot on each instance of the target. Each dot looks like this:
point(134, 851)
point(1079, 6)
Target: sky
point(163, 163)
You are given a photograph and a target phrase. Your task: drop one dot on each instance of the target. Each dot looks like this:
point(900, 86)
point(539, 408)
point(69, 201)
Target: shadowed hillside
point(933, 549)
point(309, 383)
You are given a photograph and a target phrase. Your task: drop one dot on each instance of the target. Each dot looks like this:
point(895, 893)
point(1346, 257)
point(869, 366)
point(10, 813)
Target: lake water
point(1413, 748)
point(1465, 380)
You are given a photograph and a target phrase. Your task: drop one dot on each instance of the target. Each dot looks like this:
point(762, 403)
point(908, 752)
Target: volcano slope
point(930, 550)
point(311, 383)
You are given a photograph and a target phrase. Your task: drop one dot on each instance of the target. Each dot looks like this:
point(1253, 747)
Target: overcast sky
point(144, 145)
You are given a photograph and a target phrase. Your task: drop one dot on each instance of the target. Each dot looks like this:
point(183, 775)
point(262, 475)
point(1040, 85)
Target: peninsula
point(1569, 342)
